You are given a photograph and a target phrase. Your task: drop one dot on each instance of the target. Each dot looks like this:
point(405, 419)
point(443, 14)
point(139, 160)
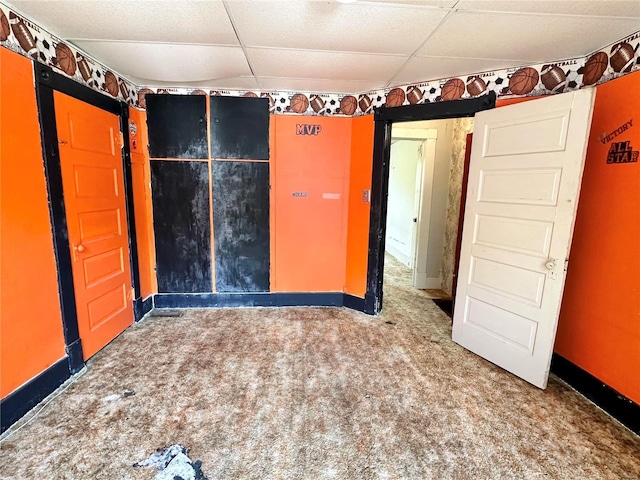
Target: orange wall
point(599, 328)
point(141, 174)
point(503, 102)
point(358, 221)
point(310, 230)
point(30, 319)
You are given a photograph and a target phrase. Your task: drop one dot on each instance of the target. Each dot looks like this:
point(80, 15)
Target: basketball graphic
point(317, 104)
point(142, 102)
point(364, 103)
point(272, 103)
point(65, 59)
point(395, 98)
point(5, 29)
point(348, 105)
point(523, 81)
point(23, 35)
point(250, 95)
point(452, 90)
point(621, 58)
point(111, 83)
point(198, 92)
point(83, 67)
point(299, 103)
point(553, 78)
point(123, 89)
point(475, 86)
point(414, 94)
point(594, 68)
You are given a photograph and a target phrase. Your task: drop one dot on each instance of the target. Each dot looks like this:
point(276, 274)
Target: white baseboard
point(398, 255)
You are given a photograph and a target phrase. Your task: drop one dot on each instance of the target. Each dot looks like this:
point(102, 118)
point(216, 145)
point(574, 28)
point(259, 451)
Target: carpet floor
point(315, 393)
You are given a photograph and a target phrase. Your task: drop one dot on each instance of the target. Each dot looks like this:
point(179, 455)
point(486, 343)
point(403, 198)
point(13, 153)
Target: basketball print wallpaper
point(26, 38)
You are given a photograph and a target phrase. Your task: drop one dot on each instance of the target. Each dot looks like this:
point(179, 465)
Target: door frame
point(384, 118)
point(46, 81)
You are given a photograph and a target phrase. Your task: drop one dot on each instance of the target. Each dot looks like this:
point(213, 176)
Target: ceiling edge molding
point(27, 38)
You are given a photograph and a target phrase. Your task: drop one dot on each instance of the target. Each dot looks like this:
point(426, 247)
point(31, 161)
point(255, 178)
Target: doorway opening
point(429, 271)
point(428, 160)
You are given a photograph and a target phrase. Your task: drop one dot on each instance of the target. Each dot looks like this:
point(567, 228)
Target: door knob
point(80, 248)
point(550, 264)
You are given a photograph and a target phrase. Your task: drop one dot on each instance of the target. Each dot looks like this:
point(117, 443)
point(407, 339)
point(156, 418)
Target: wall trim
point(353, 302)
point(57, 212)
point(142, 307)
point(18, 403)
point(384, 119)
point(621, 408)
point(267, 299)
point(46, 82)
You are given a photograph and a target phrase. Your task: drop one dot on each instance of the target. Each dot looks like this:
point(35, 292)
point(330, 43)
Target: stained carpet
point(315, 393)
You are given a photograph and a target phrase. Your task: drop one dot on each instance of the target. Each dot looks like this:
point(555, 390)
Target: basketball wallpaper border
point(25, 37)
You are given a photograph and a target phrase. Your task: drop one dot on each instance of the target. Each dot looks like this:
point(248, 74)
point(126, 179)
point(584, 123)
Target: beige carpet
point(315, 393)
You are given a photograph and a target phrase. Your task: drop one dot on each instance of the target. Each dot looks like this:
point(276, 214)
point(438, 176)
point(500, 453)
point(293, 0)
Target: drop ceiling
point(328, 46)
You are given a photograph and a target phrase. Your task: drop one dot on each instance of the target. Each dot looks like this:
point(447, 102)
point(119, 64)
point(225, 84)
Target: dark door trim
point(46, 81)
point(384, 119)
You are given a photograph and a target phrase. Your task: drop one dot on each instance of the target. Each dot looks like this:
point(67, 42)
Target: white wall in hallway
point(405, 155)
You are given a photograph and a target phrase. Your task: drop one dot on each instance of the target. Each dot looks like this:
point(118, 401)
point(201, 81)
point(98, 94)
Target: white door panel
point(531, 237)
point(524, 181)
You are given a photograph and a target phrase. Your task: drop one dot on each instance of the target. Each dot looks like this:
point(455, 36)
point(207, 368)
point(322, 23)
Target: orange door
point(93, 184)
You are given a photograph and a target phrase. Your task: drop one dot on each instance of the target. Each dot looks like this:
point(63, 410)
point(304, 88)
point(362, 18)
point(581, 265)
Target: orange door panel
point(310, 190)
point(93, 185)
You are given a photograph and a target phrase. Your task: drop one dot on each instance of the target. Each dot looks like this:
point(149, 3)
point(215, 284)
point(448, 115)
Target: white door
point(524, 180)
point(424, 189)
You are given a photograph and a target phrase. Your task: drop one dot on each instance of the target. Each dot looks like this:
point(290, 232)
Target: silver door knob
point(550, 264)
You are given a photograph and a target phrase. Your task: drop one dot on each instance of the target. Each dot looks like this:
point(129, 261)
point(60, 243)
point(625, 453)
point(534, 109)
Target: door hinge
point(131, 295)
point(120, 139)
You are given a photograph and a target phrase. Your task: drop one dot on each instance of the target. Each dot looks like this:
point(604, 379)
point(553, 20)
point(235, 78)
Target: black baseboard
point(142, 307)
point(370, 304)
point(267, 299)
point(615, 404)
point(20, 401)
point(353, 302)
point(314, 299)
point(75, 356)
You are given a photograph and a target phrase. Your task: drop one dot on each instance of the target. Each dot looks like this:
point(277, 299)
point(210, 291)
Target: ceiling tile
point(355, 27)
point(317, 85)
point(141, 20)
point(423, 3)
point(534, 38)
point(605, 8)
point(329, 65)
point(174, 63)
point(420, 69)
